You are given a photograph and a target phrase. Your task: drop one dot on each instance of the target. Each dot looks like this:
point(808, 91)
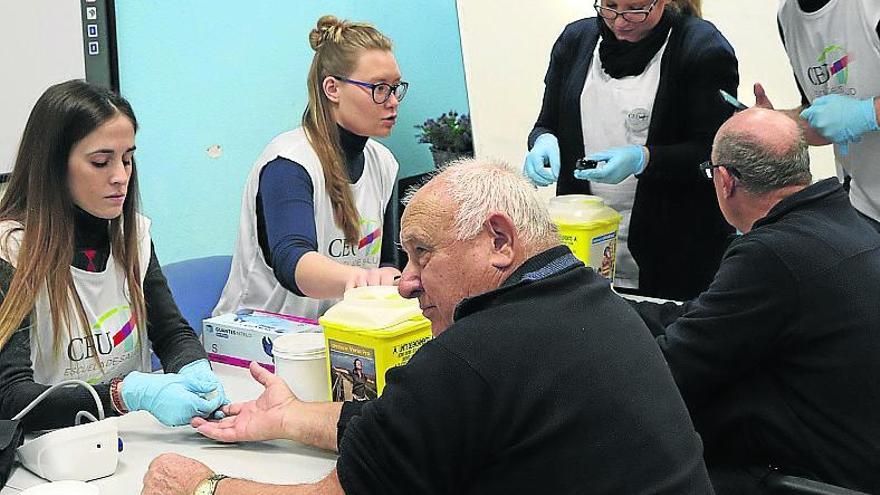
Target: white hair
point(482, 187)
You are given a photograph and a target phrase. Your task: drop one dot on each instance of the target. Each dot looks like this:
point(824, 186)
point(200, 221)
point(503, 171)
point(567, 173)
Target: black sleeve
point(414, 439)
point(18, 389)
point(658, 316)
point(707, 63)
point(173, 339)
point(729, 328)
point(548, 119)
point(388, 257)
point(350, 409)
point(804, 101)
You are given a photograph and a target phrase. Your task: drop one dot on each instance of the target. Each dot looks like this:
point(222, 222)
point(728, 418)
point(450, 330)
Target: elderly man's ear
point(728, 181)
point(504, 240)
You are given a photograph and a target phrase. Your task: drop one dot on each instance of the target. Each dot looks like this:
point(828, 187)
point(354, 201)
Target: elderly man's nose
point(409, 285)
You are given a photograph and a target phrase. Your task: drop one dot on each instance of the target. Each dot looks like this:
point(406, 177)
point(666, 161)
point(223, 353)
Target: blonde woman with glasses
point(636, 90)
point(316, 211)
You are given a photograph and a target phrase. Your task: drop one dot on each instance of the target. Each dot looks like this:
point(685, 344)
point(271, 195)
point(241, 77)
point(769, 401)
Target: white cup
point(301, 361)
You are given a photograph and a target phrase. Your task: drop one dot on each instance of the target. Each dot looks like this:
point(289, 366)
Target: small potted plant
point(449, 136)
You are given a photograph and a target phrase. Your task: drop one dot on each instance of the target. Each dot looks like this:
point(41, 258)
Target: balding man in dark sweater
point(779, 360)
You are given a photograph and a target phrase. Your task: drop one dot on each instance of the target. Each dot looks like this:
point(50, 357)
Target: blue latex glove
point(620, 163)
point(201, 370)
point(172, 398)
point(544, 151)
point(841, 119)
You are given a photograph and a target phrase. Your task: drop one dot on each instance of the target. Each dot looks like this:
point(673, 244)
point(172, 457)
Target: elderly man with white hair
point(539, 379)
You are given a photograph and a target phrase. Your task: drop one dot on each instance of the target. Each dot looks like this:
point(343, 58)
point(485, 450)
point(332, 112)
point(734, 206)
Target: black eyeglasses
point(637, 15)
point(381, 92)
point(706, 168)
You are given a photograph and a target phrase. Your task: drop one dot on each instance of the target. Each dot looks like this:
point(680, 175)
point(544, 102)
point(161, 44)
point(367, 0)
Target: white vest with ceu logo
point(836, 50)
point(116, 341)
point(252, 283)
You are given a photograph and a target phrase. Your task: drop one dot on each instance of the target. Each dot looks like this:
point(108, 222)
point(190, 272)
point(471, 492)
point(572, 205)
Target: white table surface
point(144, 438)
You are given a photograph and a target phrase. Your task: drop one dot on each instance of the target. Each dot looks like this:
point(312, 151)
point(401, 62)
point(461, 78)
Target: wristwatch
point(209, 485)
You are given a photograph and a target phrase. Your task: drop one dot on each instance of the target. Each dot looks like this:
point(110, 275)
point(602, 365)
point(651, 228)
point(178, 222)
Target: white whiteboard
point(40, 45)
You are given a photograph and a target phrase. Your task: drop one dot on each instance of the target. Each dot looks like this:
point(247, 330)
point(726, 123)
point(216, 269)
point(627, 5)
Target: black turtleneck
point(286, 211)
point(812, 5)
point(92, 241)
point(171, 337)
point(353, 149)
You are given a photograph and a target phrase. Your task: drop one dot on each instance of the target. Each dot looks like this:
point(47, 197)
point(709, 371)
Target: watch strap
point(208, 486)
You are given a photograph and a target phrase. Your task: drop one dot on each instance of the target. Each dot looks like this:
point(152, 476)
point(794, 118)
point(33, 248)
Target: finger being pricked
point(198, 421)
point(219, 431)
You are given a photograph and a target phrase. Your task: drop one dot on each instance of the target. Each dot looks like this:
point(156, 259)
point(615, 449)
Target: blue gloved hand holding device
point(201, 370)
point(544, 152)
point(172, 398)
point(620, 163)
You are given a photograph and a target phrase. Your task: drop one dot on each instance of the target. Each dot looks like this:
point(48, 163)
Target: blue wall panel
point(216, 72)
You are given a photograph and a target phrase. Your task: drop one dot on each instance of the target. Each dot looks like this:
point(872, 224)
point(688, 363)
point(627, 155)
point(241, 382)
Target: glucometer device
point(584, 164)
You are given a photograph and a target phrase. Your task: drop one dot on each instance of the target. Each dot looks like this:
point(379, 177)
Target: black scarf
point(624, 58)
point(812, 5)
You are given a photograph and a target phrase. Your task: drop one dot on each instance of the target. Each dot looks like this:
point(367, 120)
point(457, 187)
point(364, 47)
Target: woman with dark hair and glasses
point(318, 199)
point(636, 89)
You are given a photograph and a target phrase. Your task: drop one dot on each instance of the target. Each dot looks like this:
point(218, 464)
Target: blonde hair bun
point(329, 28)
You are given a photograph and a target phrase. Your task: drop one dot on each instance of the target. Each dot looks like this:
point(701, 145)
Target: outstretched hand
point(260, 419)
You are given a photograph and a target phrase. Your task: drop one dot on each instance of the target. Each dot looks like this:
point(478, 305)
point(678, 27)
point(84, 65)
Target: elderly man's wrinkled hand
point(172, 474)
point(256, 420)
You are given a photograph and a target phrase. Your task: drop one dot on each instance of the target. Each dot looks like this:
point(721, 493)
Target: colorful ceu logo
point(835, 63)
point(126, 333)
point(116, 327)
point(371, 241)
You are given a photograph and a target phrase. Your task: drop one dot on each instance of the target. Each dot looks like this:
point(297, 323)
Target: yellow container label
point(595, 244)
point(358, 358)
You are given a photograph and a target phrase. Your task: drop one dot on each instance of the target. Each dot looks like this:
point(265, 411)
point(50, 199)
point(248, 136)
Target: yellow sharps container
point(589, 228)
point(371, 330)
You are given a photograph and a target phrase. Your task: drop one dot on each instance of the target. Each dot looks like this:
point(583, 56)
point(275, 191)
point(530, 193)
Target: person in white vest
point(635, 88)
point(81, 292)
point(316, 207)
point(834, 49)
